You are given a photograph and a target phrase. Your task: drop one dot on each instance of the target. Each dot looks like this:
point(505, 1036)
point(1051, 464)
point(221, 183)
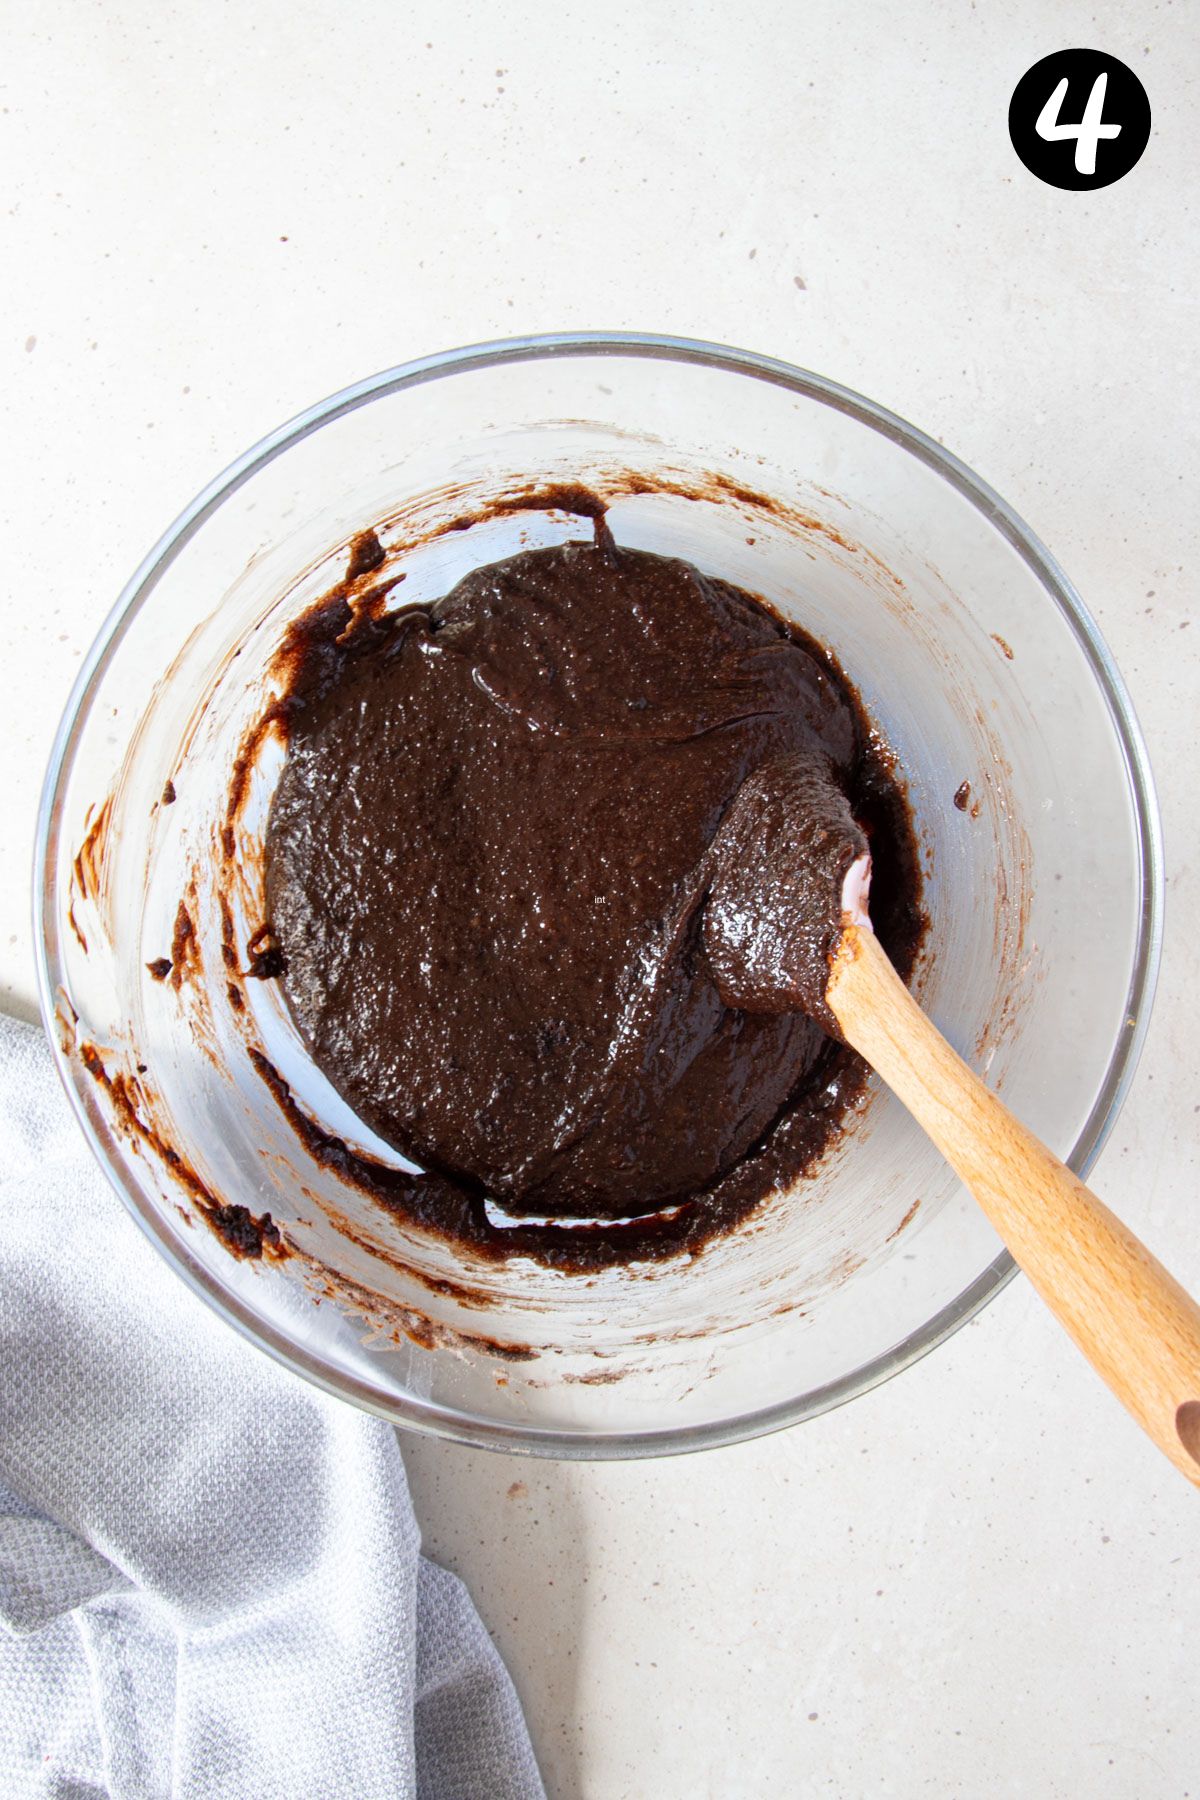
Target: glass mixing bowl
point(1029, 785)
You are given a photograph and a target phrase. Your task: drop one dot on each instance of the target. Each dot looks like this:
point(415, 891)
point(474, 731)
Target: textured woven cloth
point(211, 1584)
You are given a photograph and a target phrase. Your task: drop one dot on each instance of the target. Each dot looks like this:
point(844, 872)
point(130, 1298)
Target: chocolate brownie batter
point(495, 858)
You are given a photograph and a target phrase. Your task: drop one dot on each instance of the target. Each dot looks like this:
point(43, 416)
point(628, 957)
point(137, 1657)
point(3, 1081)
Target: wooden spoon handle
point(1132, 1320)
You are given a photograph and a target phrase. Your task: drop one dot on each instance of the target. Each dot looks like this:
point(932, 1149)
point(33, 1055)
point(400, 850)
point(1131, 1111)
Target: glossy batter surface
point(488, 864)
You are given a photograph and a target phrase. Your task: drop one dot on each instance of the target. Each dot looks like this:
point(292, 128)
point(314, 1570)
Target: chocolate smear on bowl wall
point(185, 951)
point(132, 1107)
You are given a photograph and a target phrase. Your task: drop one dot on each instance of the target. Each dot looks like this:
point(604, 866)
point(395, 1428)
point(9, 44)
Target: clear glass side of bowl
point(1040, 887)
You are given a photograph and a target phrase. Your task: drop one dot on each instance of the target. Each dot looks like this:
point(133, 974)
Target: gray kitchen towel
point(211, 1585)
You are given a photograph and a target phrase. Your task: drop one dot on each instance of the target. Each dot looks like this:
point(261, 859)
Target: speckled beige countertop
point(978, 1580)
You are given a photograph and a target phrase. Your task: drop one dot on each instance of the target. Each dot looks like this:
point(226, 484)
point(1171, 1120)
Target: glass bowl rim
point(443, 1421)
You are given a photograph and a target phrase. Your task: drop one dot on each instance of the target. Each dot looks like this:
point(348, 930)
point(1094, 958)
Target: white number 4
point(1087, 133)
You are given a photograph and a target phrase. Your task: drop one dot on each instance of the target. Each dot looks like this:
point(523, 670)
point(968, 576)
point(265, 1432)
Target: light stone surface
point(979, 1580)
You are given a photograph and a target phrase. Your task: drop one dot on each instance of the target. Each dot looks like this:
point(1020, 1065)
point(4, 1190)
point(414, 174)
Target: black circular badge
point(1079, 119)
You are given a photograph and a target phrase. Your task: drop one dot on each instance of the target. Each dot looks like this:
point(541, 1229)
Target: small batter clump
point(488, 862)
